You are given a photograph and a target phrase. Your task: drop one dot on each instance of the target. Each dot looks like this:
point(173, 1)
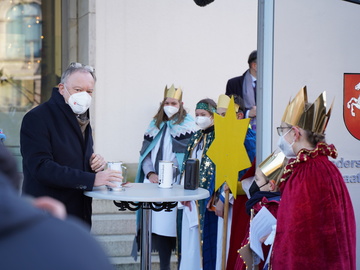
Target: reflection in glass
point(23, 31)
point(21, 55)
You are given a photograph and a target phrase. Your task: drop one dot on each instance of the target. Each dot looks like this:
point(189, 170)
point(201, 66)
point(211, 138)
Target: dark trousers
point(164, 245)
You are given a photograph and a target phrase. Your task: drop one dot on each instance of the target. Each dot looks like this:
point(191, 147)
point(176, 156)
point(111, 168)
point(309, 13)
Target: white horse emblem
point(354, 102)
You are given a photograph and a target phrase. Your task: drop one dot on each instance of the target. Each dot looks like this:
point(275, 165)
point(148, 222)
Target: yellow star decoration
point(228, 151)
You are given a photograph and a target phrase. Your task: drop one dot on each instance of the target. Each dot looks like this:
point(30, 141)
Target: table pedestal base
point(145, 260)
point(147, 207)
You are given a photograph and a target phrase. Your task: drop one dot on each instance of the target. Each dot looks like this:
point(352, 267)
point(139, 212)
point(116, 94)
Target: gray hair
point(77, 67)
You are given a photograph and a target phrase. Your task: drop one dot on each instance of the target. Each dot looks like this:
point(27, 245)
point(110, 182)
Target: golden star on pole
point(228, 151)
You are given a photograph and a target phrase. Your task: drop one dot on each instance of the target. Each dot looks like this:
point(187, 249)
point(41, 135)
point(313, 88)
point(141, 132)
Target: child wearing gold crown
point(166, 138)
point(263, 192)
point(315, 221)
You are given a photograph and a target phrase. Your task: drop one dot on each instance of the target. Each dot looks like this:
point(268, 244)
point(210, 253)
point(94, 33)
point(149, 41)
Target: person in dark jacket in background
point(244, 86)
point(57, 146)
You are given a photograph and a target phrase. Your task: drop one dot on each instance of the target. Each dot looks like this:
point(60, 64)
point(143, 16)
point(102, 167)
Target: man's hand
point(97, 162)
point(107, 177)
point(252, 112)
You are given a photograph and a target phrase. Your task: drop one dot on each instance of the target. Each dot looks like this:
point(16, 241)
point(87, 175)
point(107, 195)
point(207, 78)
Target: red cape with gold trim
point(315, 220)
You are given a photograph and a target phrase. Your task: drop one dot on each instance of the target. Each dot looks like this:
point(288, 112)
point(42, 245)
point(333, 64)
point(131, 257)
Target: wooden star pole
point(225, 225)
point(229, 155)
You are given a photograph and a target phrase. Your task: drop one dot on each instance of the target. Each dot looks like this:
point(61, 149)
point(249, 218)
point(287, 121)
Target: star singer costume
point(316, 224)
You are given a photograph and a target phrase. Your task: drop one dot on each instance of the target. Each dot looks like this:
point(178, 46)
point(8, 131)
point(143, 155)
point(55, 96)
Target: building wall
point(142, 46)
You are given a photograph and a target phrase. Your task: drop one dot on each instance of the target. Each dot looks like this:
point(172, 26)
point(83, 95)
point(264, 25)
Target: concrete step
point(114, 224)
point(115, 230)
point(118, 248)
point(116, 245)
point(106, 207)
point(128, 263)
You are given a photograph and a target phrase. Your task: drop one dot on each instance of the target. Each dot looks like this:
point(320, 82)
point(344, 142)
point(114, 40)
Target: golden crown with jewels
point(173, 92)
point(272, 167)
point(309, 116)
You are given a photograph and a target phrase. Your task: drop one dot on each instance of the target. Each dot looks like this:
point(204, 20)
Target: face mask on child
point(170, 110)
point(203, 122)
point(253, 189)
point(286, 147)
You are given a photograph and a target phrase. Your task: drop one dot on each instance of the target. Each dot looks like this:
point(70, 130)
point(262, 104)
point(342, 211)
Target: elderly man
point(57, 145)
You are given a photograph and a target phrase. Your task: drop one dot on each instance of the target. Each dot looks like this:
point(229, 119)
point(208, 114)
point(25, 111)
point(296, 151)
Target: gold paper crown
point(223, 102)
point(272, 166)
point(311, 117)
point(236, 107)
point(173, 92)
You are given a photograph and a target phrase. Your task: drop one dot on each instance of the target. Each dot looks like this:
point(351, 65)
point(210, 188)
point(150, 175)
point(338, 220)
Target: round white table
point(148, 197)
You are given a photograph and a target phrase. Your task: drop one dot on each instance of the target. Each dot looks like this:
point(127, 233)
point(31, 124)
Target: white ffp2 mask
point(79, 102)
point(203, 121)
point(170, 110)
point(286, 147)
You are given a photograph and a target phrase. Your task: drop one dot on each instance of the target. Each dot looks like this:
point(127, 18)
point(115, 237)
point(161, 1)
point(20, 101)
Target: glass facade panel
point(23, 31)
point(27, 61)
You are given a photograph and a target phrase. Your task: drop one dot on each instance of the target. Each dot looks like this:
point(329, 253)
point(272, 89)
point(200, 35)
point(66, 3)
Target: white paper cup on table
point(166, 175)
point(117, 166)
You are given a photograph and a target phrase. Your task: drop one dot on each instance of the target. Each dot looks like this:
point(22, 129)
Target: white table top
point(141, 192)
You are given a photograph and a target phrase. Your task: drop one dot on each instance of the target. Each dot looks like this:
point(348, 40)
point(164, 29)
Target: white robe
point(164, 223)
point(190, 237)
point(190, 240)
